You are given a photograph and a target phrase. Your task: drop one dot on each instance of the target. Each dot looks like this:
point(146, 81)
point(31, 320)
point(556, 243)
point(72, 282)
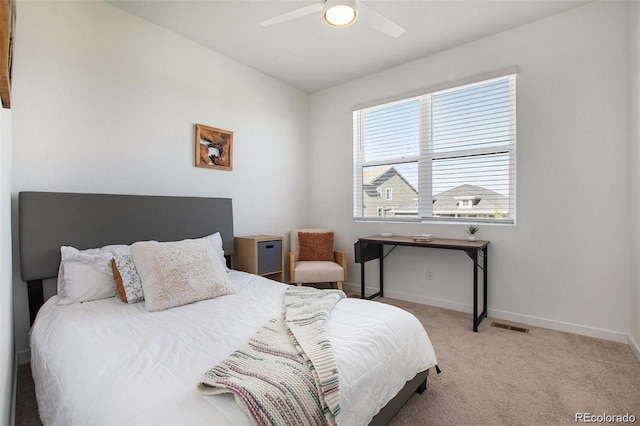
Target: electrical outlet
point(429, 275)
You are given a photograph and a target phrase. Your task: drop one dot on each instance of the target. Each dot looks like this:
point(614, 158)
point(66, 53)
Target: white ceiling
point(308, 54)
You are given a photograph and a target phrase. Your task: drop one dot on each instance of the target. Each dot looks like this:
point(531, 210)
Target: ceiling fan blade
point(294, 14)
point(375, 20)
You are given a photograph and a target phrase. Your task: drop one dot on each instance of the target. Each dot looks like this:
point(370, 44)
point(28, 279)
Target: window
point(465, 203)
point(443, 156)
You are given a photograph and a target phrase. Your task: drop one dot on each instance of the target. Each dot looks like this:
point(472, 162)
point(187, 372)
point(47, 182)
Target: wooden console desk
point(370, 248)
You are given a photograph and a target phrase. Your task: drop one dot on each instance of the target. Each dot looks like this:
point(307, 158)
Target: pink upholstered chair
point(313, 260)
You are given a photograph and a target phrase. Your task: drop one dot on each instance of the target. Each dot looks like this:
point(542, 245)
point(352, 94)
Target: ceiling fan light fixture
point(340, 13)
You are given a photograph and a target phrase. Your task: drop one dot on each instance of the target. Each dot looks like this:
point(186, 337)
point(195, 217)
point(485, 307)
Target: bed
point(109, 362)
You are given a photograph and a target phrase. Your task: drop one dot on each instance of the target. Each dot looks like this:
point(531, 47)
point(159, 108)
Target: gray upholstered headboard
point(49, 220)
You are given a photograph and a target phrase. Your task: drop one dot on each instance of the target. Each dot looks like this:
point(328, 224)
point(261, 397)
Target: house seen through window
point(443, 156)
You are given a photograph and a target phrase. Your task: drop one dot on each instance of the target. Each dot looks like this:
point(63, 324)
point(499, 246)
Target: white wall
point(105, 102)
point(634, 114)
point(566, 264)
point(6, 299)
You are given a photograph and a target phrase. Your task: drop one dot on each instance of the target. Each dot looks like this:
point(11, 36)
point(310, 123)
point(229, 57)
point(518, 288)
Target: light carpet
point(504, 377)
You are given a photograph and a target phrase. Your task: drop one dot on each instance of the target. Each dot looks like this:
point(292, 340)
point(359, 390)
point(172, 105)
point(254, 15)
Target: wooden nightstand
point(260, 255)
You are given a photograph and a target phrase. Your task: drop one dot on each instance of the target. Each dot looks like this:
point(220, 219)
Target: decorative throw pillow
point(128, 281)
point(315, 246)
point(178, 273)
point(86, 275)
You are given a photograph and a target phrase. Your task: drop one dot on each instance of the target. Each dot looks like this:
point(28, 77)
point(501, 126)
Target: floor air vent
point(509, 327)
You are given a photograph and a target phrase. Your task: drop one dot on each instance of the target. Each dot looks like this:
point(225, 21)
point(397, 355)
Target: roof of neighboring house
point(483, 200)
point(376, 176)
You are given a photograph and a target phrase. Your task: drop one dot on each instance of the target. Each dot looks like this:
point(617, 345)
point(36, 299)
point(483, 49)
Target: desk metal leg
point(477, 319)
point(485, 252)
point(475, 291)
point(362, 280)
point(381, 271)
point(378, 255)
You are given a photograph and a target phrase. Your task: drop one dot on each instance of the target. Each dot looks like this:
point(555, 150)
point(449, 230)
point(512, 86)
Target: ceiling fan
point(340, 14)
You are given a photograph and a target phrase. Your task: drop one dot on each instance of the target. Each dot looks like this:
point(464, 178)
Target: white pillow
point(78, 268)
point(216, 240)
point(87, 275)
point(178, 273)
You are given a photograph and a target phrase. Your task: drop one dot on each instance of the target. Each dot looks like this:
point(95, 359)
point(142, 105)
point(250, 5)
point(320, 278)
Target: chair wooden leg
point(339, 285)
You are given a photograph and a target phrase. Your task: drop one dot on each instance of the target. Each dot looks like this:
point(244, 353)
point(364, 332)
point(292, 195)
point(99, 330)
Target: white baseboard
point(634, 346)
point(504, 315)
point(566, 327)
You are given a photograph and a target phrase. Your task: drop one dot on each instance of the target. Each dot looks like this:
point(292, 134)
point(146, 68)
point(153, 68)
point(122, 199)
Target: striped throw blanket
point(286, 374)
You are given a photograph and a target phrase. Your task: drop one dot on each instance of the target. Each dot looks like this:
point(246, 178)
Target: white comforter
point(106, 362)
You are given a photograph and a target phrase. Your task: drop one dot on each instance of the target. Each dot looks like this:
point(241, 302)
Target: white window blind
point(445, 156)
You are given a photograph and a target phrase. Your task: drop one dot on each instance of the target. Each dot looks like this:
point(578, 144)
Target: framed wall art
point(214, 148)
point(7, 31)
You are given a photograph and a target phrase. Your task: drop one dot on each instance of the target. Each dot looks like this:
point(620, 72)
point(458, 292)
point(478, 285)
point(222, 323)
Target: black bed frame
point(49, 220)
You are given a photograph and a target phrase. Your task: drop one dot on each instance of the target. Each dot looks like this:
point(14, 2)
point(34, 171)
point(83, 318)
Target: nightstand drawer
point(269, 256)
